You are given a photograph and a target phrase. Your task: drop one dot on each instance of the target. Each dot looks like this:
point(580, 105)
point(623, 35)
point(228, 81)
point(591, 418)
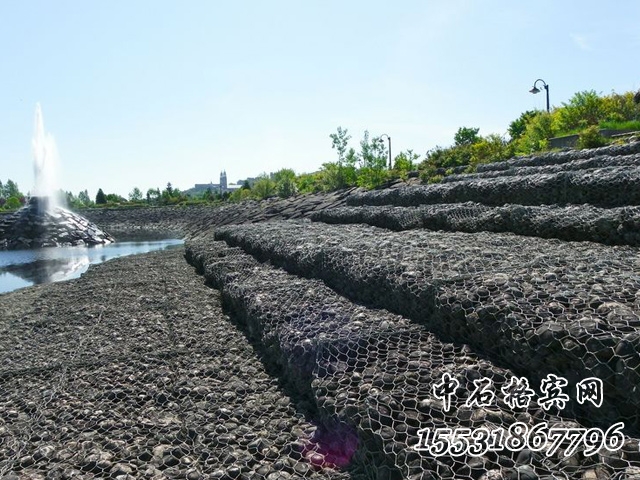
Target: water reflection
point(22, 268)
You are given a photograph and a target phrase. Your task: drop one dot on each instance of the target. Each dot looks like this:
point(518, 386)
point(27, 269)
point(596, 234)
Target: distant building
point(220, 188)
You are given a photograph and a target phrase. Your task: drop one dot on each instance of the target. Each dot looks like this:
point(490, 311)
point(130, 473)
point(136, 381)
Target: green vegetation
point(11, 198)
point(585, 114)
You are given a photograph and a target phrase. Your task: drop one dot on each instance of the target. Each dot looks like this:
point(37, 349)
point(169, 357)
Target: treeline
point(11, 198)
point(368, 166)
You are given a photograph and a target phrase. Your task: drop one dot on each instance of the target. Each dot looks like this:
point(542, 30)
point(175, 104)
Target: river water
point(23, 268)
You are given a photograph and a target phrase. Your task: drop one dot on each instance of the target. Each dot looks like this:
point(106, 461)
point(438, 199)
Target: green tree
point(491, 148)
point(309, 182)
point(340, 140)
point(115, 198)
point(373, 162)
point(101, 198)
point(208, 195)
point(12, 203)
point(466, 136)
point(590, 137)
point(264, 187)
point(518, 126)
point(135, 195)
point(84, 199)
point(405, 161)
point(246, 185)
point(539, 129)
point(153, 195)
point(240, 194)
point(583, 109)
point(285, 182)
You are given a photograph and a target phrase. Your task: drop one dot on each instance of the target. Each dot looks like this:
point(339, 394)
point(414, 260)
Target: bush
point(539, 129)
point(435, 179)
point(591, 138)
point(264, 188)
point(12, 203)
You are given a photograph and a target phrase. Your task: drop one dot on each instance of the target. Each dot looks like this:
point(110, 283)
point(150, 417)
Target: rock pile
point(34, 226)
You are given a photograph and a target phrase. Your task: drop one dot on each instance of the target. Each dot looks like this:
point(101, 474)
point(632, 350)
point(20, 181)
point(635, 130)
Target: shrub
point(591, 138)
point(539, 129)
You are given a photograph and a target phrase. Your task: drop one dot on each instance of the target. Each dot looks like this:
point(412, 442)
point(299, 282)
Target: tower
point(223, 181)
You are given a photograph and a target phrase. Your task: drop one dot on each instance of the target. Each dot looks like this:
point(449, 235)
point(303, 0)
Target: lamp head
point(535, 90)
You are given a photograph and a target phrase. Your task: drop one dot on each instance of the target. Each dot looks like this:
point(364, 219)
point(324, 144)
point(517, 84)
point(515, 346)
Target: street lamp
point(537, 90)
point(388, 138)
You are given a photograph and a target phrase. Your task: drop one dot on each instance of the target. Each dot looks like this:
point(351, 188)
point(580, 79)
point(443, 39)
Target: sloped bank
point(372, 372)
point(193, 220)
point(535, 306)
point(610, 226)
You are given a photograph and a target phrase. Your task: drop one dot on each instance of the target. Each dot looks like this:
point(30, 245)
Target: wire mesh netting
point(380, 379)
point(133, 371)
point(612, 226)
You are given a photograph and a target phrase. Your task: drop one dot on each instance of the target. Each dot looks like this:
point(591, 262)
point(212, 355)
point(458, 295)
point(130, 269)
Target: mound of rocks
point(36, 226)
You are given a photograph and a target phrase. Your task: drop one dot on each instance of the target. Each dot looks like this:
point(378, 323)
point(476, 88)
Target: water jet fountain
point(43, 222)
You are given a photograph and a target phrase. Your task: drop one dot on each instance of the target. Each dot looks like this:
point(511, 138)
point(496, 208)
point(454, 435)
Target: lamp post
point(388, 138)
point(535, 90)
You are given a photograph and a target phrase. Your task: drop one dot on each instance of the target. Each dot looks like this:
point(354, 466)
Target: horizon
point(254, 88)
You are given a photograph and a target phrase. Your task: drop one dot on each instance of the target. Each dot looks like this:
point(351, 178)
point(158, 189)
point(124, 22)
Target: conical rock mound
point(34, 226)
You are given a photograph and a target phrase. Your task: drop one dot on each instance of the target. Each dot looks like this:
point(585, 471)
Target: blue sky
point(140, 93)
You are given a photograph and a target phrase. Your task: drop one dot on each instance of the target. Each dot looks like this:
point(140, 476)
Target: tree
point(340, 141)
point(466, 136)
point(169, 189)
point(405, 161)
point(208, 195)
point(135, 195)
point(246, 185)
point(153, 195)
point(285, 182)
point(518, 126)
point(83, 197)
point(583, 109)
point(535, 138)
point(264, 187)
point(13, 203)
point(373, 162)
point(101, 199)
point(115, 198)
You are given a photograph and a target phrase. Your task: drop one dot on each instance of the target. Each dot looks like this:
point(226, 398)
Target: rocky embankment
point(191, 221)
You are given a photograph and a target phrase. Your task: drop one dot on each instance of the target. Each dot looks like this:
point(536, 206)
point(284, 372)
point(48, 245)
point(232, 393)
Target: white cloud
point(581, 41)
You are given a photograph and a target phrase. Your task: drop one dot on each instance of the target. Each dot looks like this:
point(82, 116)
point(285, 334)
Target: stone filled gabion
point(605, 187)
point(134, 371)
point(601, 161)
point(375, 371)
point(536, 306)
point(611, 226)
point(556, 158)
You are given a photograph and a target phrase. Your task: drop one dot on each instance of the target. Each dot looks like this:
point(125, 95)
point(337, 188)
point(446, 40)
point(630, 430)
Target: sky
point(141, 93)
